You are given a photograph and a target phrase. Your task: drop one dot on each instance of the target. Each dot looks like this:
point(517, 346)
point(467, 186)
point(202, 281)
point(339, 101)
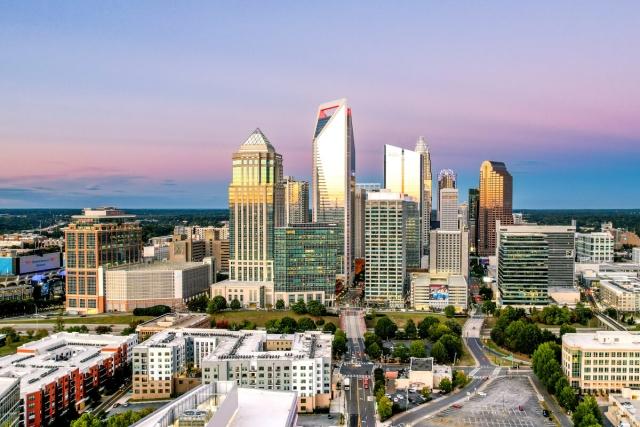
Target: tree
point(319, 322)
point(316, 308)
point(80, 329)
point(385, 328)
point(329, 327)
point(217, 304)
point(438, 330)
point(306, 324)
point(425, 325)
point(374, 351)
point(567, 329)
point(439, 353)
point(410, 329)
point(567, 398)
point(450, 311)
point(87, 420)
point(339, 342)
point(454, 327)
point(59, 326)
point(30, 333)
point(488, 307)
point(41, 333)
point(280, 304)
point(587, 413)
point(103, 329)
point(486, 293)
point(289, 325)
point(235, 304)
point(385, 407)
point(460, 379)
point(198, 304)
point(401, 352)
point(453, 346)
point(417, 349)
point(445, 385)
point(426, 392)
point(299, 307)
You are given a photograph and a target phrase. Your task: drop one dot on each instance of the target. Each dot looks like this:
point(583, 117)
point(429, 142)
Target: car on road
point(482, 393)
point(545, 413)
point(456, 406)
point(125, 404)
point(520, 408)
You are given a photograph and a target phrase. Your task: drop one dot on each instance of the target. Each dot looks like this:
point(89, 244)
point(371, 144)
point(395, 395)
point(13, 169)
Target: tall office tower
point(561, 240)
point(523, 269)
point(449, 252)
point(360, 199)
point(307, 260)
point(463, 216)
point(334, 173)
point(427, 192)
point(100, 237)
point(392, 237)
point(496, 201)
point(296, 201)
point(472, 221)
point(446, 179)
point(403, 174)
point(256, 207)
point(448, 205)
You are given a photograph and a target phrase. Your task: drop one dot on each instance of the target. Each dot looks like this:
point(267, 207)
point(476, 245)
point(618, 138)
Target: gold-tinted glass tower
point(256, 206)
point(496, 203)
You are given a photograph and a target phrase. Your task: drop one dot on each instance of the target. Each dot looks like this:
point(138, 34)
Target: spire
point(421, 145)
point(257, 141)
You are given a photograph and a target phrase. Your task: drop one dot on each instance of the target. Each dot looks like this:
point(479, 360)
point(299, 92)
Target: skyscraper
point(449, 252)
point(474, 199)
point(334, 173)
point(256, 207)
point(448, 205)
point(100, 237)
point(496, 203)
point(446, 179)
point(403, 173)
point(296, 201)
point(427, 192)
point(358, 216)
point(392, 235)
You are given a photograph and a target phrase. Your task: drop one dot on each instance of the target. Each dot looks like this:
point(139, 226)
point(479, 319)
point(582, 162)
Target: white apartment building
point(601, 361)
point(449, 209)
point(392, 245)
point(621, 292)
point(449, 252)
point(145, 285)
point(594, 248)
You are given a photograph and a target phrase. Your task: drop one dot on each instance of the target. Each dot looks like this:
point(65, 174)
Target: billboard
point(6, 266)
point(438, 292)
point(35, 263)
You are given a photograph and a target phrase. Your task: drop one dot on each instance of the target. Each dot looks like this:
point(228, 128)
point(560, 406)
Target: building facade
point(523, 269)
point(296, 201)
point(446, 179)
point(448, 204)
point(602, 361)
point(9, 401)
point(334, 174)
point(594, 248)
point(360, 200)
point(495, 204)
point(146, 285)
point(307, 258)
point(427, 192)
point(392, 245)
point(102, 237)
point(472, 219)
point(449, 252)
point(256, 207)
point(435, 291)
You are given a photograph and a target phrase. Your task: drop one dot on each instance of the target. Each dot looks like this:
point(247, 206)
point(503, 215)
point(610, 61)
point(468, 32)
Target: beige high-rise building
point(296, 201)
point(496, 204)
point(446, 179)
point(256, 207)
point(100, 237)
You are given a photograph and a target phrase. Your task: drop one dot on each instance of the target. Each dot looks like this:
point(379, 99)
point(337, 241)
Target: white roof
point(603, 340)
point(266, 408)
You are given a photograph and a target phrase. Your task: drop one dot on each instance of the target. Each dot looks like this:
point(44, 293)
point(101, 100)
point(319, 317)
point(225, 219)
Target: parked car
point(456, 406)
point(545, 413)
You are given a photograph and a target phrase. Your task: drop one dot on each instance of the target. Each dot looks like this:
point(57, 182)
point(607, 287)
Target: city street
point(360, 402)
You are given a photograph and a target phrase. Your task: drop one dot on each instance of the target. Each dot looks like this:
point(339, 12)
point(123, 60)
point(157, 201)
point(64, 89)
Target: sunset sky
point(141, 104)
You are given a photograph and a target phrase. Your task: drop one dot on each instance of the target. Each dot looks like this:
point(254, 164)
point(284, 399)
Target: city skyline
point(148, 116)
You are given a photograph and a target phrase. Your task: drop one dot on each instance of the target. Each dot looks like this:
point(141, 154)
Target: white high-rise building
point(449, 209)
point(334, 173)
point(596, 248)
point(256, 207)
point(358, 216)
point(449, 252)
point(392, 245)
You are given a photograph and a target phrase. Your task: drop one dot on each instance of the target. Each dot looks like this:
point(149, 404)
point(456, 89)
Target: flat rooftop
point(253, 404)
point(174, 320)
point(421, 364)
point(603, 340)
point(158, 266)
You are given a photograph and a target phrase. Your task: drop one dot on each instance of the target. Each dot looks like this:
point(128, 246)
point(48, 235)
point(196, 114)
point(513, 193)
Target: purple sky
point(141, 104)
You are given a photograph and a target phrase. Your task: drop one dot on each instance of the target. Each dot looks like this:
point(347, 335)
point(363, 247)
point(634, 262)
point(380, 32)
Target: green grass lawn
point(506, 352)
point(8, 349)
point(110, 319)
point(466, 359)
point(261, 317)
point(401, 318)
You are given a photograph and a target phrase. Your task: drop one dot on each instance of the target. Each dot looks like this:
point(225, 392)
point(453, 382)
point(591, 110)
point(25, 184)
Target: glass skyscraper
point(256, 207)
point(334, 172)
point(496, 198)
point(427, 192)
point(307, 258)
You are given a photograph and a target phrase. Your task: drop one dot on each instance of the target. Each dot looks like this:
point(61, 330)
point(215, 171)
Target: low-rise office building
point(423, 372)
point(624, 408)
point(259, 295)
point(602, 361)
point(621, 293)
point(224, 404)
point(63, 370)
point(594, 247)
point(435, 291)
point(145, 285)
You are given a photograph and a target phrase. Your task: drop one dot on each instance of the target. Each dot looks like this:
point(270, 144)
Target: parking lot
point(406, 399)
point(509, 402)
